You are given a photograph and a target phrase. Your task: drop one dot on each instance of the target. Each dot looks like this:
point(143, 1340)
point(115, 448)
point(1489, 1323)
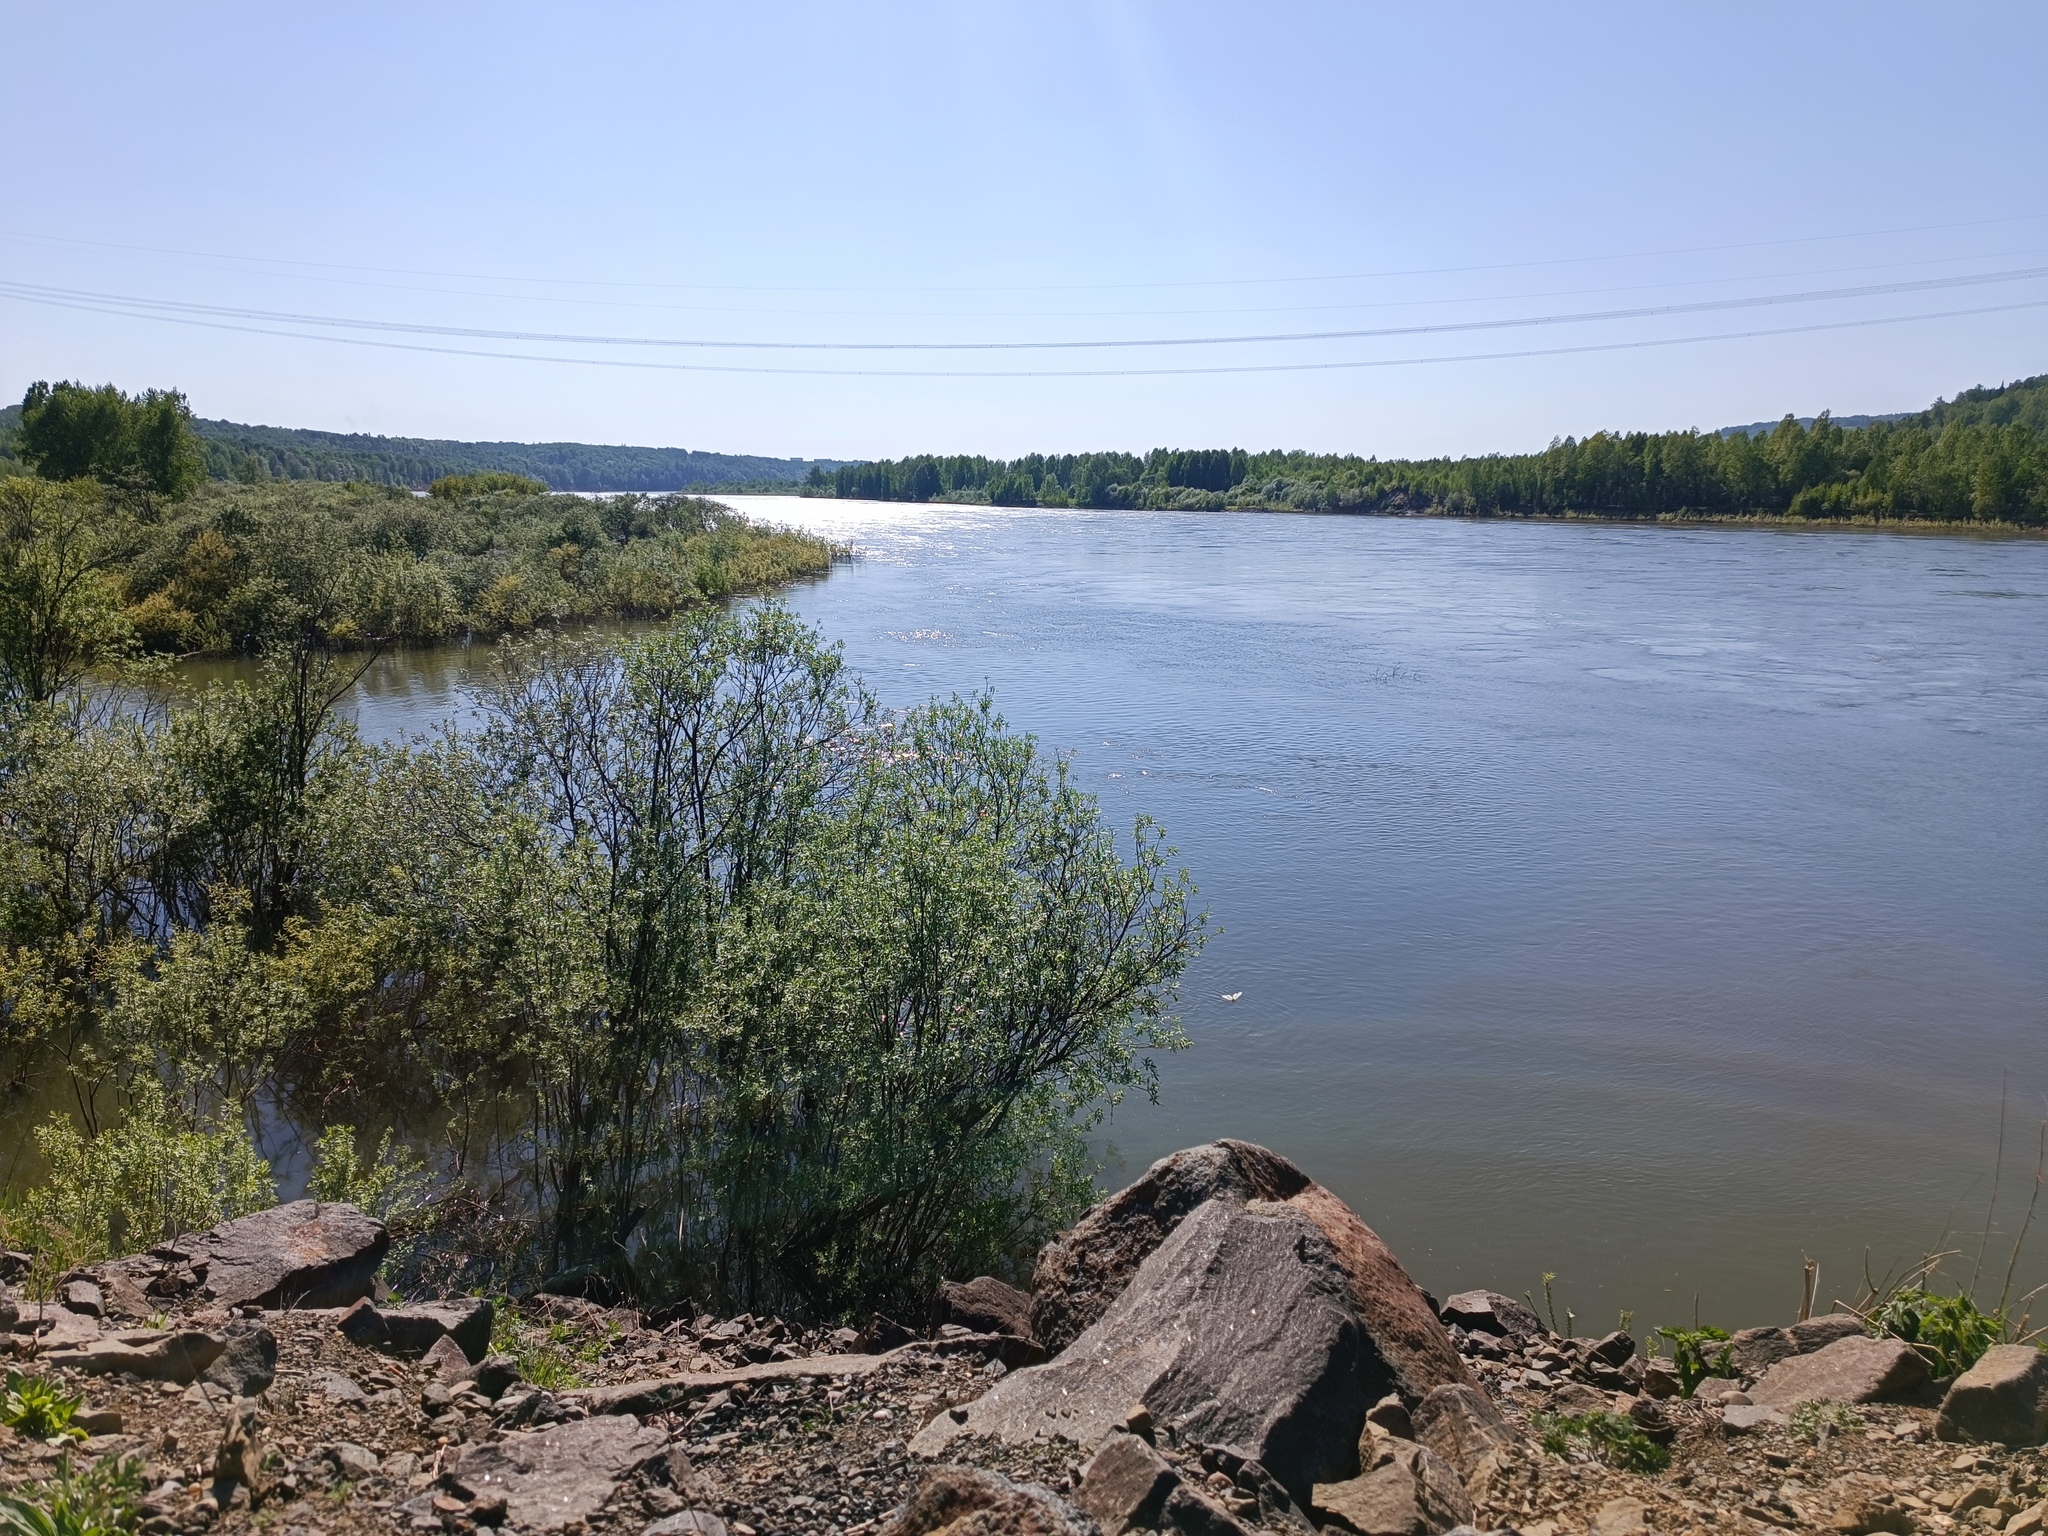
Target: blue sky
point(981, 173)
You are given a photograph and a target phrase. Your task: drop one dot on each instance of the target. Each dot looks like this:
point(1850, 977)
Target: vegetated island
point(120, 501)
point(234, 451)
point(1979, 459)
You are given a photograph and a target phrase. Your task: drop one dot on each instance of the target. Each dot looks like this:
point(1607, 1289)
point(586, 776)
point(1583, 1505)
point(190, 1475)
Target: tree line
point(1981, 458)
point(234, 451)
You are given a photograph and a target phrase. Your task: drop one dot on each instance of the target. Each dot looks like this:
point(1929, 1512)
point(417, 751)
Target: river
point(1652, 906)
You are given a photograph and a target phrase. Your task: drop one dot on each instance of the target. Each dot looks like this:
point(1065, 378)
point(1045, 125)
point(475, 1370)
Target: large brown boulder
point(982, 1305)
point(1857, 1369)
point(305, 1254)
point(1243, 1332)
point(2003, 1397)
point(1081, 1272)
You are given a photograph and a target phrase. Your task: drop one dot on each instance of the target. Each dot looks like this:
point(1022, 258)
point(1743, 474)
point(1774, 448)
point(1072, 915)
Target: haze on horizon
point(381, 186)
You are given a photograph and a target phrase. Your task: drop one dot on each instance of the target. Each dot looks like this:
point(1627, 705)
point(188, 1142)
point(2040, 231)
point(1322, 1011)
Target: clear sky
point(984, 173)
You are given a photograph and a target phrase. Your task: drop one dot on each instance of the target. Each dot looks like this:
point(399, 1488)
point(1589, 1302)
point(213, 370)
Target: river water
point(1656, 907)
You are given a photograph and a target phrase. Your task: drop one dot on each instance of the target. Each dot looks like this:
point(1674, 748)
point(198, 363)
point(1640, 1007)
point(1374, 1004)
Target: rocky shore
point(1222, 1348)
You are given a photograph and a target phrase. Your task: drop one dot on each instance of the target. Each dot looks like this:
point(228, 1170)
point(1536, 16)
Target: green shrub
point(37, 1407)
point(1694, 1356)
point(455, 487)
point(105, 1499)
point(146, 1179)
point(1950, 1332)
point(390, 1185)
point(1609, 1438)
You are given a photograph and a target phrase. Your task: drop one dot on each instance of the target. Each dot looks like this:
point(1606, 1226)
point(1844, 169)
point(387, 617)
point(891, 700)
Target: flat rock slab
point(1858, 1369)
point(2002, 1398)
point(1238, 1332)
point(660, 1394)
point(305, 1254)
point(553, 1479)
point(179, 1357)
point(1742, 1418)
point(58, 1328)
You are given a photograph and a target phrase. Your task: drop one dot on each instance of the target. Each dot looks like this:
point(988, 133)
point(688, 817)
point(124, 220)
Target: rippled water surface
point(1651, 906)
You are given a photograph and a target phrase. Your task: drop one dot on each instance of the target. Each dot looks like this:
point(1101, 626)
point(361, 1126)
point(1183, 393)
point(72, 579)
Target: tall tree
point(143, 442)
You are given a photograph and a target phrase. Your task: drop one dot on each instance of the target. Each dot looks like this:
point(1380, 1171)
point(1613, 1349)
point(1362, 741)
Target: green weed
point(1693, 1354)
point(1950, 1332)
point(1608, 1438)
point(1809, 1419)
point(37, 1407)
point(105, 1499)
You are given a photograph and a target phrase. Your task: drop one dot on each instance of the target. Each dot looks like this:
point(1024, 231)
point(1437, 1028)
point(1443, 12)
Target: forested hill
point(1981, 457)
point(237, 452)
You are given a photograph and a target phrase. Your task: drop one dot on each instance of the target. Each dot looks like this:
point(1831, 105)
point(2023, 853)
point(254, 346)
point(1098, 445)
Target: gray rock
point(84, 1296)
point(1819, 1332)
point(413, 1329)
point(2002, 1398)
point(1858, 1369)
point(1742, 1418)
point(1238, 1332)
point(1082, 1271)
point(1491, 1312)
point(688, 1522)
point(1409, 1491)
point(1616, 1349)
point(1709, 1389)
point(409, 1332)
point(977, 1503)
point(351, 1461)
point(447, 1361)
point(1461, 1425)
point(248, 1365)
point(10, 1313)
point(1126, 1486)
point(556, 1478)
point(1755, 1350)
point(1574, 1399)
point(305, 1254)
point(166, 1356)
point(495, 1375)
point(337, 1388)
point(982, 1305)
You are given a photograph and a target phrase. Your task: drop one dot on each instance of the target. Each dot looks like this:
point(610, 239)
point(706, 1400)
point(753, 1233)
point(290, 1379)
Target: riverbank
point(1302, 1385)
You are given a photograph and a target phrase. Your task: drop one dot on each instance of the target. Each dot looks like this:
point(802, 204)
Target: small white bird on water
point(1231, 997)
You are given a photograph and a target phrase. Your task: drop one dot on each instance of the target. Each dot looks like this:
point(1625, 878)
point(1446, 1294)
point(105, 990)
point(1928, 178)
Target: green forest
point(673, 967)
point(191, 565)
point(232, 451)
point(1979, 458)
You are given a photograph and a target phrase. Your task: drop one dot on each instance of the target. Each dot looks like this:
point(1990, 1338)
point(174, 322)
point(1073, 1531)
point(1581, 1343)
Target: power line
point(477, 333)
point(1220, 282)
point(1037, 373)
